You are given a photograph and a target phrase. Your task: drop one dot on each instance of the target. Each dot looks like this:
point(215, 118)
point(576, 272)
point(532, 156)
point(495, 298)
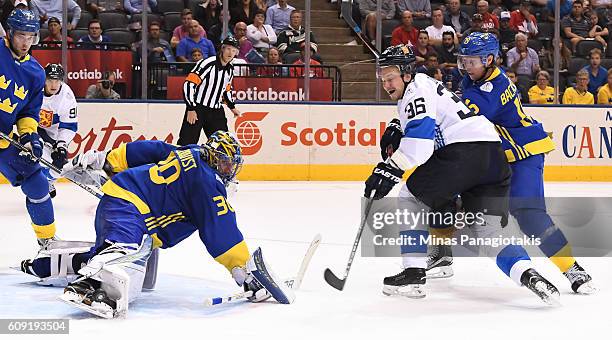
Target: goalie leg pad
point(261, 271)
point(120, 270)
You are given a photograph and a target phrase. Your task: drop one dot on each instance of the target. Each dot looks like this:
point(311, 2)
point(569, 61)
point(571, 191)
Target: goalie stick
point(46, 163)
point(294, 282)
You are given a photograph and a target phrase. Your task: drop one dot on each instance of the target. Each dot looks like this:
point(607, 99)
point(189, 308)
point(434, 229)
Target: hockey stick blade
point(333, 280)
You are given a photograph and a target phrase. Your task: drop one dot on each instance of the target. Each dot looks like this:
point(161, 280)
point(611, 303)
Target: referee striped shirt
point(209, 84)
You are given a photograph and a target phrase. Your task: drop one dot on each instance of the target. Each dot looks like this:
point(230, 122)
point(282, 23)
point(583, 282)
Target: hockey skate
point(439, 262)
point(85, 296)
point(541, 287)
point(408, 283)
point(46, 244)
point(582, 283)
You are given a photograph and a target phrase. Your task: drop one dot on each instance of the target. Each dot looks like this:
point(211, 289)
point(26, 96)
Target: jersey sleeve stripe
point(423, 128)
point(69, 126)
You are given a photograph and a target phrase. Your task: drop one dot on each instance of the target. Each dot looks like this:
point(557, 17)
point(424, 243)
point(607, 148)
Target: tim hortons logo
point(112, 135)
point(248, 133)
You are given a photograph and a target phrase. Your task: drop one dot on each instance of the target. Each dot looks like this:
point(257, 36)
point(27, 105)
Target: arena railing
point(160, 73)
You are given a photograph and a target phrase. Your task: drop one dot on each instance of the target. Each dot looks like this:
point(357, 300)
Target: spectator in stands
point(564, 10)
point(522, 59)
point(598, 32)
point(496, 7)
point(576, 26)
point(244, 12)
point(522, 91)
point(476, 25)
point(182, 31)
point(273, 58)
point(367, 8)
point(262, 36)
point(419, 8)
point(523, 21)
point(46, 9)
point(55, 33)
point(183, 50)
point(135, 6)
point(196, 55)
point(447, 52)
point(579, 94)
point(542, 92)
point(489, 21)
point(98, 6)
point(95, 35)
point(437, 27)
point(456, 18)
point(405, 33)
point(423, 48)
point(290, 38)
point(103, 88)
point(430, 63)
point(316, 72)
point(214, 33)
point(158, 50)
point(435, 73)
point(208, 13)
point(506, 34)
point(564, 62)
point(604, 95)
point(598, 76)
point(278, 15)
point(246, 46)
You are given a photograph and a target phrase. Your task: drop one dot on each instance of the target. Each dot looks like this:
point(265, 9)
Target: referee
point(206, 87)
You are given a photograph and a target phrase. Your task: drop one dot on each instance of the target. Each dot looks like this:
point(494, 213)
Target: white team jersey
point(431, 117)
point(58, 116)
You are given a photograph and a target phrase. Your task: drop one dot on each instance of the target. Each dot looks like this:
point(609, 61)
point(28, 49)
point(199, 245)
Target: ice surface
point(479, 302)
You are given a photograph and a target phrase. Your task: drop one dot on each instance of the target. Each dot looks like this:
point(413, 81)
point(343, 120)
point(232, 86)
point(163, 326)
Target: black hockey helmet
point(54, 71)
point(401, 56)
point(230, 40)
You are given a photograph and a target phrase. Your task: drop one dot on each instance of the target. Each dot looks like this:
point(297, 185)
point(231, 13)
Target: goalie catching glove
point(259, 279)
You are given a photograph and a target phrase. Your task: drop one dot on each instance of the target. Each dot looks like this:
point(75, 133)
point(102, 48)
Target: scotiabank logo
point(341, 135)
point(248, 133)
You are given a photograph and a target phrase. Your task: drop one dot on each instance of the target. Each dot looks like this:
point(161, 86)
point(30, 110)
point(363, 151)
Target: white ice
point(479, 302)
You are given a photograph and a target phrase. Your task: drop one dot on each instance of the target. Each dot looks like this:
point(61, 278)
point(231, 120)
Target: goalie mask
point(222, 152)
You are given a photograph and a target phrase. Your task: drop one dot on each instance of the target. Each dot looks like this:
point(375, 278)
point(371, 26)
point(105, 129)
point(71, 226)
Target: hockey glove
point(390, 140)
point(91, 160)
point(59, 154)
point(32, 142)
point(250, 283)
point(382, 180)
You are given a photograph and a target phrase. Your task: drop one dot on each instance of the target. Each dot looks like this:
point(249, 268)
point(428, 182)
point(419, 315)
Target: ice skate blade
point(409, 291)
point(553, 300)
point(587, 288)
point(103, 314)
point(441, 272)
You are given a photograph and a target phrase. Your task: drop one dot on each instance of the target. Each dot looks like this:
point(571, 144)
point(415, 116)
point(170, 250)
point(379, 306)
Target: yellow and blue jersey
point(177, 193)
point(21, 92)
point(497, 98)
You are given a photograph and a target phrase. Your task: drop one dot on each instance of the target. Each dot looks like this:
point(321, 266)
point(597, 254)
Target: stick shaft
point(46, 163)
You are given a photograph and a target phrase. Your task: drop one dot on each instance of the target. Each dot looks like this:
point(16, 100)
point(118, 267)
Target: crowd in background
point(272, 32)
point(524, 28)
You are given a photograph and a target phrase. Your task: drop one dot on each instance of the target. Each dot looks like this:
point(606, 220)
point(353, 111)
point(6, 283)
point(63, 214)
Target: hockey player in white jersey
point(455, 152)
point(58, 121)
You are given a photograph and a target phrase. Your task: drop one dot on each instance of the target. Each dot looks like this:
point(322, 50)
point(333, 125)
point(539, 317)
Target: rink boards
point(336, 142)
